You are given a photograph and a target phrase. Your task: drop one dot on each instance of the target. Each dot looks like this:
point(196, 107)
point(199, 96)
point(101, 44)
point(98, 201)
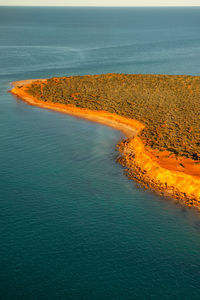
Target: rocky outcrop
point(143, 167)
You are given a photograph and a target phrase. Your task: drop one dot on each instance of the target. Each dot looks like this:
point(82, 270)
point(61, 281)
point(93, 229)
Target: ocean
point(72, 225)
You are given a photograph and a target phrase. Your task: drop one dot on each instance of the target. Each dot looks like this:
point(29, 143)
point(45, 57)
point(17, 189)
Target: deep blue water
point(72, 226)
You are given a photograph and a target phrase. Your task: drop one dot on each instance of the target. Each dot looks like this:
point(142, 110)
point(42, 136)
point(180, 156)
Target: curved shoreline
point(168, 176)
point(128, 127)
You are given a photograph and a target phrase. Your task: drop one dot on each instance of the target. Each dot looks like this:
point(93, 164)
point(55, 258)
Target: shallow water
point(72, 226)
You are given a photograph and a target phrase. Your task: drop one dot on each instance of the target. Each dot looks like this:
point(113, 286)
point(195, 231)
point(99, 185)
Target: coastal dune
point(177, 177)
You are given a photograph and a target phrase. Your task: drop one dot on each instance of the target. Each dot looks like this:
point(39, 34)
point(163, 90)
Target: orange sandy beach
point(178, 178)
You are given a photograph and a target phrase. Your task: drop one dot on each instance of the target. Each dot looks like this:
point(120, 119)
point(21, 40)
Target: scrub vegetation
point(169, 105)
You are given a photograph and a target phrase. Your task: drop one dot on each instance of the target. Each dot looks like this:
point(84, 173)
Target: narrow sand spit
point(129, 127)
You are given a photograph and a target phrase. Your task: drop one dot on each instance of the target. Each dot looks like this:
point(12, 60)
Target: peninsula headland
point(159, 115)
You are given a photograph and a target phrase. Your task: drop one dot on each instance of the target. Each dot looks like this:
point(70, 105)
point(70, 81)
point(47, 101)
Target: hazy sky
point(101, 2)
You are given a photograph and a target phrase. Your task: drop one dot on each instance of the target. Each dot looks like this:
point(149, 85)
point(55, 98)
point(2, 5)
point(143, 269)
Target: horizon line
point(113, 6)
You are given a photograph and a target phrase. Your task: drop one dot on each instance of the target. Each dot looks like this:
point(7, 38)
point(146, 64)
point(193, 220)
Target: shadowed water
point(72, 226)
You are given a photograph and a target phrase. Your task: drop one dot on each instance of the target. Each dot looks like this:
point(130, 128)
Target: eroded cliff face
point(146, 168)
point(172, 176)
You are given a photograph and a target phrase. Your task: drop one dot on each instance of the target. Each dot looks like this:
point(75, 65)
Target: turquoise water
point(72, 226)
